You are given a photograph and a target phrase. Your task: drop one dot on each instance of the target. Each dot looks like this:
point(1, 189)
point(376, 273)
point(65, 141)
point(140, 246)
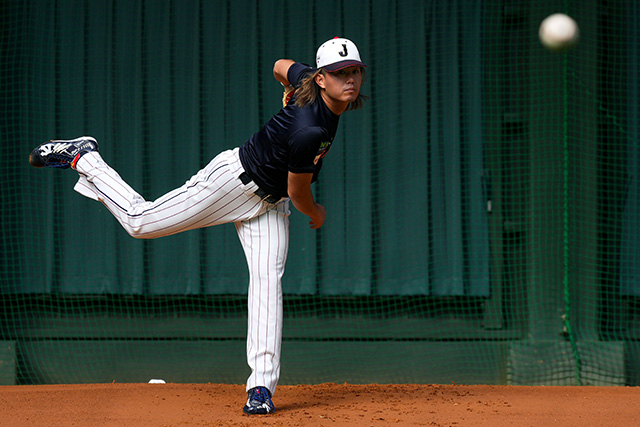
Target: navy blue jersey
point(296, 139)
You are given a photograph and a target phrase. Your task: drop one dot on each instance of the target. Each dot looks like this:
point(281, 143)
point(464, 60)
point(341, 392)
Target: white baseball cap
point(338, 53)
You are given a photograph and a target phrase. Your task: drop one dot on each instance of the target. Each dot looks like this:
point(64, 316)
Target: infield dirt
point(218, 405)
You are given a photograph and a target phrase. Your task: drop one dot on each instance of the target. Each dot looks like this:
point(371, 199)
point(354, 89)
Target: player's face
point(342, 86)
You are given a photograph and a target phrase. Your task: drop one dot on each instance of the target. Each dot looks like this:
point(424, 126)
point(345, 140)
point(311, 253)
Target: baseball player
point(249, 186)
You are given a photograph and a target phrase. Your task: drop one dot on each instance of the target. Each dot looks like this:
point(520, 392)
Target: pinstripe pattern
point(265, 240)
point(213, 196)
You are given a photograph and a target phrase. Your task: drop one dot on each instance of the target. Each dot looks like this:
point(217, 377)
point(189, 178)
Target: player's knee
point(136, 232)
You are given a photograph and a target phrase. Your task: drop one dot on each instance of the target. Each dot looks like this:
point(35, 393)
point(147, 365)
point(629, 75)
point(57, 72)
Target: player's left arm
point(280, 70)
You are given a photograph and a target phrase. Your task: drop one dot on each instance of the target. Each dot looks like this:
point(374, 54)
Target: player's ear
point(320, 80)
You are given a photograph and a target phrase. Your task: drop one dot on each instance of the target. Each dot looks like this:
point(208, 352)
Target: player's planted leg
point(259, 402)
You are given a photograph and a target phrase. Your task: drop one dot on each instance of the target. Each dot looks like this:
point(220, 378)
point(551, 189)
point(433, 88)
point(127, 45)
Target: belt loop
point(264, 196)
point(245, 178)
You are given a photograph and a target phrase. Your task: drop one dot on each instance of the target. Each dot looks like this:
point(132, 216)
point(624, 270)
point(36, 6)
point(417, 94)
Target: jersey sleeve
point(297, 72)
point(306, 149)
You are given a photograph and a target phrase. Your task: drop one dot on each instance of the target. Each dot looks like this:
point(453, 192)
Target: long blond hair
point(309, 91)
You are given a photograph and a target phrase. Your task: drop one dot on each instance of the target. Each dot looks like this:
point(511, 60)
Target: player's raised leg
point(215, 195)
point(62, 153)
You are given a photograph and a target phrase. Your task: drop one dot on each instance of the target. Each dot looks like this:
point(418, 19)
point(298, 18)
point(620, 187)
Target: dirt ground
point(219, 405)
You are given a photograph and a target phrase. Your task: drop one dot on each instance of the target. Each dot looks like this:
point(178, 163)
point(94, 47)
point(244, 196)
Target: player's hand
point(288, 93)
point(318, 218)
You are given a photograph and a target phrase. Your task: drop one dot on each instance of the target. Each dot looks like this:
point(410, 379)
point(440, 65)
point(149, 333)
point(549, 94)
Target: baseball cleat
point(259, 402)
point(60, 153)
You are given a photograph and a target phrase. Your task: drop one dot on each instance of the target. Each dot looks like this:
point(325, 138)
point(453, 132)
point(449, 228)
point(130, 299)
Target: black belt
point(245, 178)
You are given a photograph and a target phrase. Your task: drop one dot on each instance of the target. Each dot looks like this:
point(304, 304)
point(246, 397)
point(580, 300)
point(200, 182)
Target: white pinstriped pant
point(215, 195)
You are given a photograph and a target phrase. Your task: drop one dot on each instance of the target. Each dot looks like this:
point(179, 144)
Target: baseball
point(558, 32)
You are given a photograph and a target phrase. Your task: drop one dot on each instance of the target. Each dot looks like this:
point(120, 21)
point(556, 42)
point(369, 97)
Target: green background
point(482, 206)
